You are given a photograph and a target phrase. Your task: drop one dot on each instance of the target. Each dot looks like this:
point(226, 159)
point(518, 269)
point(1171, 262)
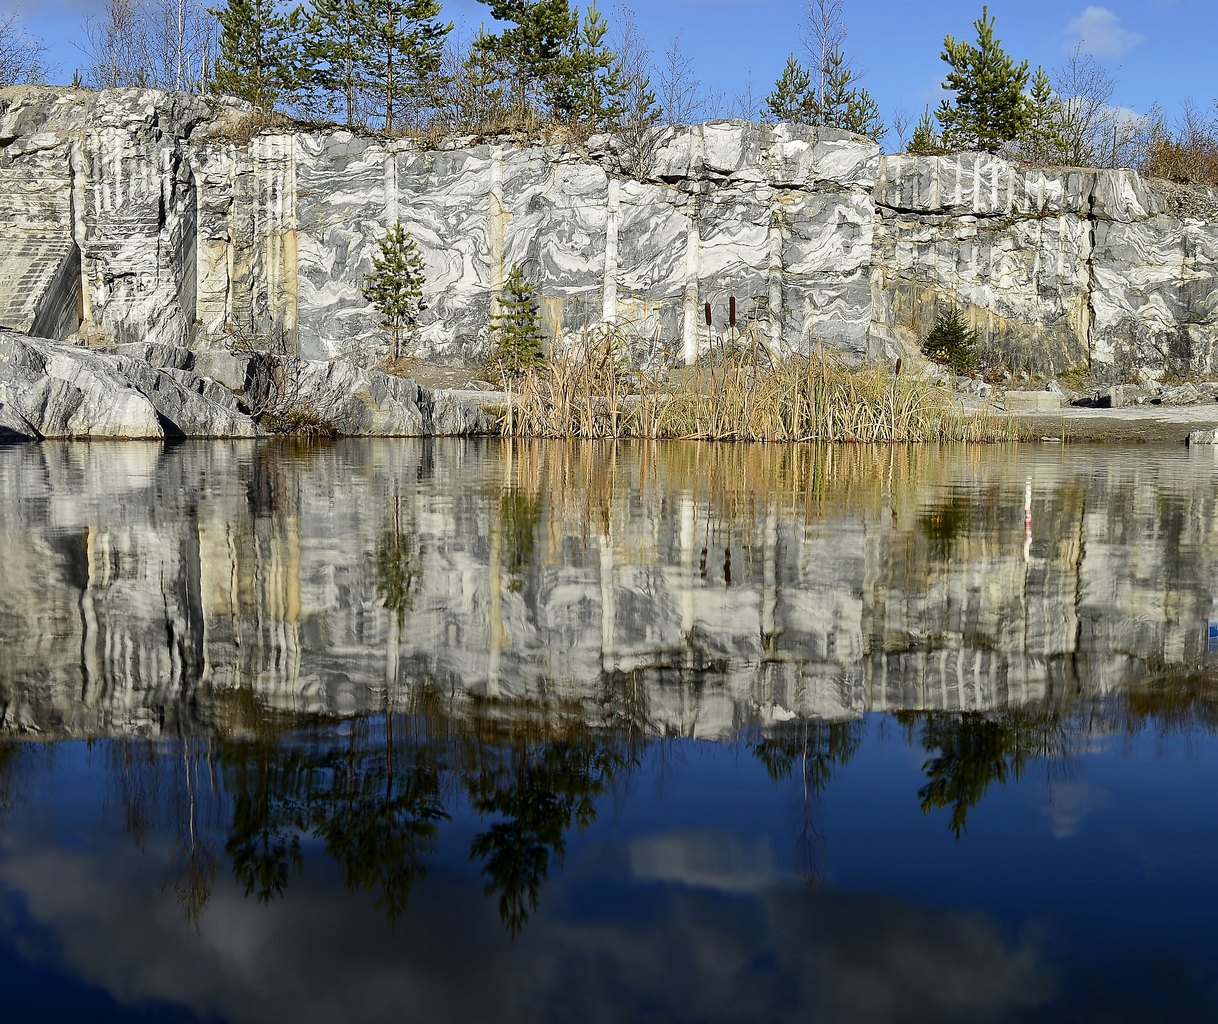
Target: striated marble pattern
point(134, 216)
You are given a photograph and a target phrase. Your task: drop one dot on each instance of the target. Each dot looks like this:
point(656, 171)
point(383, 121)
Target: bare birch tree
point(1093, 132)
point(679, 91)
point(160, 44)
point(824, 36)
point(20, 55)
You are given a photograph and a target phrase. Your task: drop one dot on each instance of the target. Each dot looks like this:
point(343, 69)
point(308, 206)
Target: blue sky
point(1158, 50)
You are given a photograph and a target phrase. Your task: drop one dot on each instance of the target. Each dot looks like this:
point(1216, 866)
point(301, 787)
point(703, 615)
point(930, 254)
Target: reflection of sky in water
point(688, 895)
point(942, 748)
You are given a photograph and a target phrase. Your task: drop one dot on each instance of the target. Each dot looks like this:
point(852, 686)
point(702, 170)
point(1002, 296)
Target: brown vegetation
point(741, 394)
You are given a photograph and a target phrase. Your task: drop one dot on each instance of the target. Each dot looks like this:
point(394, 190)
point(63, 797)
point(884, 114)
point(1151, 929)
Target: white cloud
point(1101, 34)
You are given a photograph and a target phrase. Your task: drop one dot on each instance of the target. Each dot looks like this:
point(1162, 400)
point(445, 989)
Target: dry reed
point(591, 391)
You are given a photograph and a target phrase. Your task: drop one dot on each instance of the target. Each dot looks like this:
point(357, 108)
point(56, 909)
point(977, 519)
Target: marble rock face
point(1055, 267)
point(135, 217)
point(288, 227)
point(63, 391)
point(1010, 246)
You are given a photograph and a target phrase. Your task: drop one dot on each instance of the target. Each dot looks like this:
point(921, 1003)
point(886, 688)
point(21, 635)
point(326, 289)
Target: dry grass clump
point(590, 391)
point(586, 391)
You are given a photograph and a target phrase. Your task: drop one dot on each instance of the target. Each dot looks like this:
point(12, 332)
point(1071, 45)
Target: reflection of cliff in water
point(690, 590)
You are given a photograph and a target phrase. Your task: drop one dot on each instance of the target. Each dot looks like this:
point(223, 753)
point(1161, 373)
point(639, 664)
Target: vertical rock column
point(139, 219)
point(248, 276)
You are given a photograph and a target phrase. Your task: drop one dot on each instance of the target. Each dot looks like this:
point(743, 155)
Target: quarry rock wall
point(137, 216)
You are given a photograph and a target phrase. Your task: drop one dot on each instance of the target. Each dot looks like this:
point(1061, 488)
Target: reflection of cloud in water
point(706, 859)
point(606, 951)
point(1069, 802)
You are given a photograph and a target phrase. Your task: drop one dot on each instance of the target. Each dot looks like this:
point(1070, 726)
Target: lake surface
point(460, 730)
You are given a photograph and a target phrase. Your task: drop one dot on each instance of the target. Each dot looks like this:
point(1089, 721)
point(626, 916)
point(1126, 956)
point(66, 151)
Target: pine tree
point(593, 87)
point(395, 285)
point(951, 342)
point(516, 344)
point(405, 50)
point(925, 140)
point(844, 106)
point(990, 107)
point(259, 51)
point(840, 105)
point(792, 98)
point(379, 56)
point(483, 98)
point(535, 49)
point(334, 52)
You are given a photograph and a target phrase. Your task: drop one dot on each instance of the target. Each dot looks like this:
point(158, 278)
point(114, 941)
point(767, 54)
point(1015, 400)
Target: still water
point(456, 730)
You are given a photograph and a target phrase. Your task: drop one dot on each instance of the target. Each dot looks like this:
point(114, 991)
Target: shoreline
point(1141, 425)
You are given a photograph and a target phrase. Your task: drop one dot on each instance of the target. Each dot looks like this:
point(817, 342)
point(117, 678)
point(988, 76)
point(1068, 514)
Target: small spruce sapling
point(951, 342)
point(395, 285)
point(516, 344)
point(926, 141)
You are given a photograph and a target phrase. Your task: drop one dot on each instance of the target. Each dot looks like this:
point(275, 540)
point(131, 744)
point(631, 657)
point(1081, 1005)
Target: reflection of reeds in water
point(590, 391)
point(588, 486)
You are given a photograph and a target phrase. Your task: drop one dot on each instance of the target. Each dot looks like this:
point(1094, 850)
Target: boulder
point(14, 426)
point(65, 392)
point(361, 402)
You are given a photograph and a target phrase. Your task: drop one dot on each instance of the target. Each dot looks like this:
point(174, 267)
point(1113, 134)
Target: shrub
point(951, 342)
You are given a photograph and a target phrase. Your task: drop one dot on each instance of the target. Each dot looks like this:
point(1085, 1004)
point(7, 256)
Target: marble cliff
point(135, 217)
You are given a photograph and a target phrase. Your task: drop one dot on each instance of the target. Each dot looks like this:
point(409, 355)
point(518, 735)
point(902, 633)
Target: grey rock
point(1125, 396)
point(1203, 437)
point(163, 357)
point(227, 368)
point(457, 413)
point(14, 426)
point(1186, 394)
point(1032, 401)
point(361, 402)
point(69, 392)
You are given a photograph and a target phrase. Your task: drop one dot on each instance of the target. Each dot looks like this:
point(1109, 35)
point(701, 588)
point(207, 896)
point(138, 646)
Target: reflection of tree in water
point(10, 758)
point(972, 750)
point(943, 524)
point(816, 748)
point(375, 810)
point(379, 817)
point(172, 786)
point(519, 516)
point(539, 792)
point(399, 569)
point(198, 861)
point(375, 801)
point(398, 562)
point(267, 816)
